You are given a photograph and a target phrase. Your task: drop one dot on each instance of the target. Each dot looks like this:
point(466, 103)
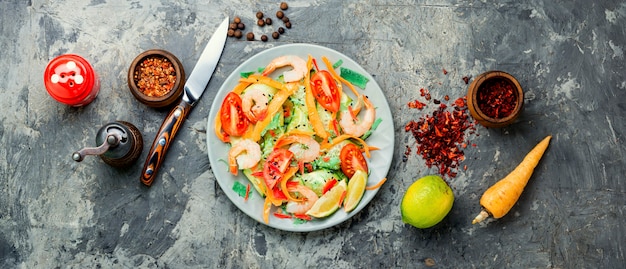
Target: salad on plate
point(298, 131)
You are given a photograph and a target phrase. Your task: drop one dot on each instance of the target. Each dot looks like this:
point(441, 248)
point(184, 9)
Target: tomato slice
point(276, 165)
point(326, 90)
point(234, 121)
point(352, 159)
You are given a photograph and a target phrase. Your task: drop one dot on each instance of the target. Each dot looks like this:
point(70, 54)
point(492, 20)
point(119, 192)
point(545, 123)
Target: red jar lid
point(71, 80)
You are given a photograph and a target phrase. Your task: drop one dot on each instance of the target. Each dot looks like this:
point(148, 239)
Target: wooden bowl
point(488, 111)
point(141, 85)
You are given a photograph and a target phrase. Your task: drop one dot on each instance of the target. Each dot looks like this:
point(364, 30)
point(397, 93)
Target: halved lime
point(329, 202)
point(355, 191)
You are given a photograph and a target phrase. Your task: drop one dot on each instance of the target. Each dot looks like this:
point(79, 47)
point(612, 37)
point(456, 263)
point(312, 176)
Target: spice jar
point(495, 99)
point(156, 78)
point(71, 80)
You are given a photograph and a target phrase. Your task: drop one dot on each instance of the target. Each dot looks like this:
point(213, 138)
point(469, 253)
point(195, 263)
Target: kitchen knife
point(194, 87)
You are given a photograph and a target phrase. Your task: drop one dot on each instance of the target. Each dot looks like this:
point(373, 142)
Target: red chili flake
point(425, 93)
point(155, 76)
point(496, 98)
point(445, 72)
point(447, 98)
point(416, 104)
point(441, 135)
point(466, 79)
point(281, 215)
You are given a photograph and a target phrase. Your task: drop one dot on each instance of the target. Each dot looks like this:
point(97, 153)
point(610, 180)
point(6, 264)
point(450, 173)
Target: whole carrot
point(500, 198)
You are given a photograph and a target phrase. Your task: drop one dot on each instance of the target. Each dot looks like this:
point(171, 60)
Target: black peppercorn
point(232, 26)
point(241, 26)
point(237, 20)
point(259, 15)
point(283, 6)
point(268, 21)
point(280, 14)
point(281, 30)
point(238, 34)
point(288, 25)
point(260, 23)
point(250, 36)
point(275, 35)
point(264, 38)
point(285, 19)
point(231, 32)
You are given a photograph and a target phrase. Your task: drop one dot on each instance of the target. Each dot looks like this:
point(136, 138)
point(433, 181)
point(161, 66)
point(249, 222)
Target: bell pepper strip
point(223, 136)
point(267, 206)
point(275, 106)
point(302, 216)
point(314, 117)
point(377, 185)
point(329, 185)
point(281, 215)
point(338, 77)
point(241, 86)
point(337, 140)
point(245, 198)
point(283, 183)
point(256, 78)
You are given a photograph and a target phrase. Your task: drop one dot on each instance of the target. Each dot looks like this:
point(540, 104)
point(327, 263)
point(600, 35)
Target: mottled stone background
point(568, 56)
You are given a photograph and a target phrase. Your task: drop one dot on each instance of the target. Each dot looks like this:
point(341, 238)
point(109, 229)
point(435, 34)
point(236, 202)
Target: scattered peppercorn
point(281, 30)
point(280, 15)
point(285, 19)
point(232, 26)
point(275, 35)
point(238, 34)
point(250, 36)
point(231, 32)
point(259, 15)
point(268, 21)
point(283, 6)
point(264, 38)
point(288, 25)
point(237, 20)
point(241, 26)
point(260, 23)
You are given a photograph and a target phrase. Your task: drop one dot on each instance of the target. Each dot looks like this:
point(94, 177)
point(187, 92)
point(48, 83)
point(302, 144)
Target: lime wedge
point(329, 202)
point(356, 189)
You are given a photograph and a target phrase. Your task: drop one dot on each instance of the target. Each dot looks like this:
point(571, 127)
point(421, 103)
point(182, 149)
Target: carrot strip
point(377, 185)
point(338, 77)
point(283, 183)
point(498, 200)
point(314, 117)
point(218, 129)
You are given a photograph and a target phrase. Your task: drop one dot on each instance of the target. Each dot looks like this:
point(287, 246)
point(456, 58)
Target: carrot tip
point(481, 216)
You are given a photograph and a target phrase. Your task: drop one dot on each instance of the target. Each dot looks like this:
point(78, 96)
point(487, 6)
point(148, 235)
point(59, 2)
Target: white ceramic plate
point(382, 138)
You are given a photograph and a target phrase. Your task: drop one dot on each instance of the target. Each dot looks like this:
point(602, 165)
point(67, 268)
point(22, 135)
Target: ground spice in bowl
point(156, 78)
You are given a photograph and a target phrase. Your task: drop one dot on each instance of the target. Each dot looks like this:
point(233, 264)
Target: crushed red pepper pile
point(441, 136)
point(155, 77)
point(496, 98)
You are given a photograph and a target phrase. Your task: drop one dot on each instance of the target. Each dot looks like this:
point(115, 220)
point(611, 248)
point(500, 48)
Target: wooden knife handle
point(162, 141)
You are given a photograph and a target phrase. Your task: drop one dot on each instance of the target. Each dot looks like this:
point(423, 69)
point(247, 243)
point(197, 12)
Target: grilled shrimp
point(254, 104)
point(304, 148)
point(297, 73)
point(244, 154)
point(352, 125)
point(301, 207)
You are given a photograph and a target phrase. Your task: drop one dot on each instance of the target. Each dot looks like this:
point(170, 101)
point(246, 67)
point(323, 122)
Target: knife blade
point(193, 89)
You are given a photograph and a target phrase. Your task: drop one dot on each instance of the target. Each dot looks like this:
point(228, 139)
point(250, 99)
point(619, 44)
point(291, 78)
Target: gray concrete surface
point(568, 56)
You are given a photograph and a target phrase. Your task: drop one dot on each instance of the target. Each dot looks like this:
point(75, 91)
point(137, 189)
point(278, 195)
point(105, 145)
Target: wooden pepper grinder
point(120, 144)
